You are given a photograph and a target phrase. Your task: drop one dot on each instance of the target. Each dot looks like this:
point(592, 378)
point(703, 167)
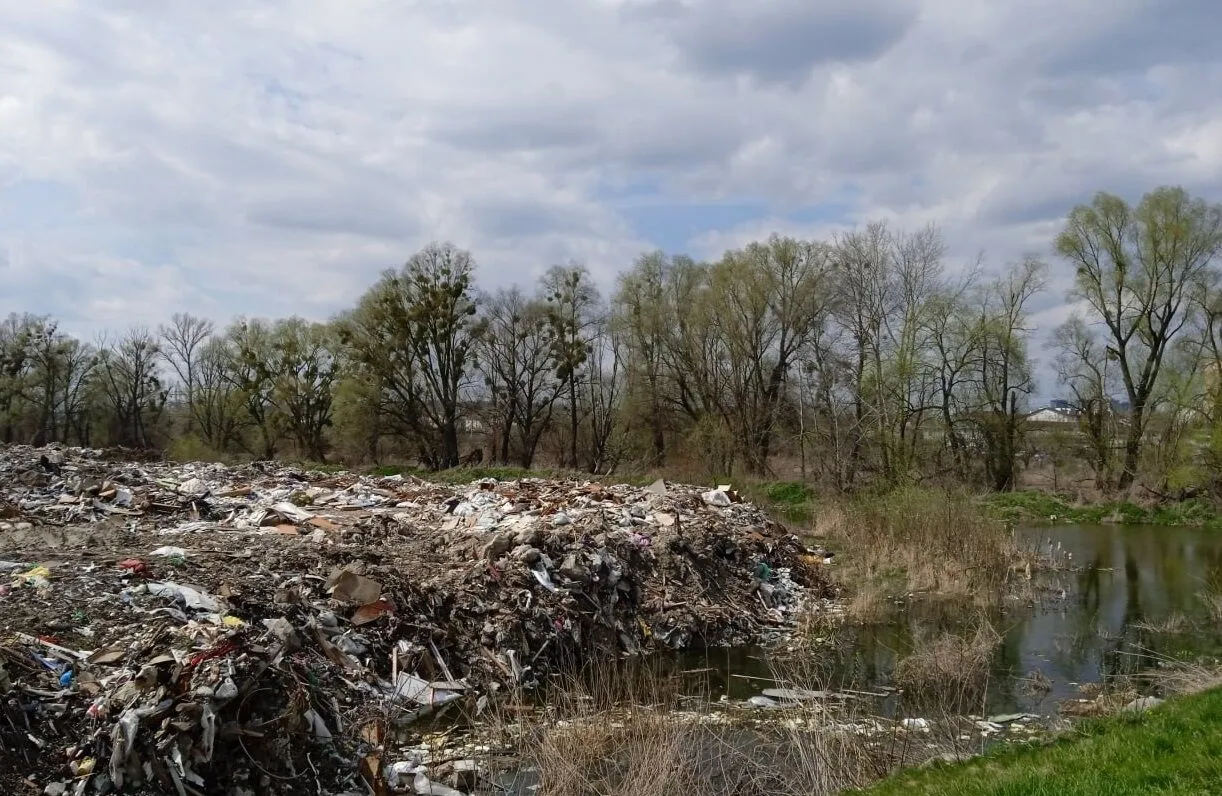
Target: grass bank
point(1175, 748)
point(1043, 508)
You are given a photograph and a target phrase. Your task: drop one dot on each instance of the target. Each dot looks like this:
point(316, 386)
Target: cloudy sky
point(271, 157)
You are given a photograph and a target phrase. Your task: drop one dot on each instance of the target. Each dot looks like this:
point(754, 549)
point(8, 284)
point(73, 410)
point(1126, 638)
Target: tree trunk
point(1132, 449)
point(449, 444)
point(659, 437)
point(573, 421)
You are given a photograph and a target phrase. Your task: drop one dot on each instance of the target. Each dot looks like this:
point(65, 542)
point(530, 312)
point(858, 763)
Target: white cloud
point(274, 156)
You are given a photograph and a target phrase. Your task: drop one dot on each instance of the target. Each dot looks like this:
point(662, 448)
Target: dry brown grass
point(927, 542)
point(1173, 624)
point(608, 734)
point(1176, 678)
point(869, 605)
point(1101, 699)
point(1213, 604)
point(949, 673)
point(1172, 677)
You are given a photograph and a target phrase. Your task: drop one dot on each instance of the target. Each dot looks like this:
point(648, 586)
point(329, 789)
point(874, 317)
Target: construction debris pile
point(203, 629)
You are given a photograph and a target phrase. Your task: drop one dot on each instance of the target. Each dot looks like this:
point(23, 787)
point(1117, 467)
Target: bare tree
point(572, 306)
point(954, 338)
point(182, 340)
point(517, 350)
point(1084, 366)
point(217, 404)
point(607, 384)
point(132, 385)
point(80, 362)
point(1005, 376)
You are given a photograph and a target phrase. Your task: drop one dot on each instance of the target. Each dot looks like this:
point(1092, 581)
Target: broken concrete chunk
point(283, 630)
point(498, 546)
point(1142, 704)
point(193, 487)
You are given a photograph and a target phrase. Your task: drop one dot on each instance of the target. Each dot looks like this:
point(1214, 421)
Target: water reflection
point(1116, 619)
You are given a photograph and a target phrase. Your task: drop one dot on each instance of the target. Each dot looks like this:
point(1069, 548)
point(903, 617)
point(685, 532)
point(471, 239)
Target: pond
point(1135, 596)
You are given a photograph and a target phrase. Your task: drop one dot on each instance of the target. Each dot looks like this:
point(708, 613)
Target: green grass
point(1175, 748)
point(791, 502)
point(1044, 507)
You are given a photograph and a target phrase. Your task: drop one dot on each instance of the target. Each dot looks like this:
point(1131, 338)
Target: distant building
point(1053, 414)
point(472, 425)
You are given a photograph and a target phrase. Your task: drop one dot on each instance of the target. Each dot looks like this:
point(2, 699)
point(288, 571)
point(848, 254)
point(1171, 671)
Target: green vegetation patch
point(790, 502)
point(1044, 508)
point(1175, 748)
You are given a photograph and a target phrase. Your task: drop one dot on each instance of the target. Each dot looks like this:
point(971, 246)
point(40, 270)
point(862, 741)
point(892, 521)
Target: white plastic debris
point(415, 689)
point(194, 599)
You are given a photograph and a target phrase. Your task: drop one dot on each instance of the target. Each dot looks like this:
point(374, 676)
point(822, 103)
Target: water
point(1134, 598)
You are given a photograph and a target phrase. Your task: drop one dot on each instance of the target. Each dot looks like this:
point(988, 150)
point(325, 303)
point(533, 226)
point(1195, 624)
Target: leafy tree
point(250, 348)
point(1136, 269)
point(302, 366)
point(414, 331)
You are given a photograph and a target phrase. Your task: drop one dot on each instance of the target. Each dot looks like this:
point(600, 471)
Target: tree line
point(858, 360)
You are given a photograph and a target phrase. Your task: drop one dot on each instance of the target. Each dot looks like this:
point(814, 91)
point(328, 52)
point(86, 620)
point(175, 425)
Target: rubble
point(298, 623)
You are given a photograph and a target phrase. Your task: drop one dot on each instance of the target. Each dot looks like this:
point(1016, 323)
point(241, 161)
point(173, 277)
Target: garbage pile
point(260, 629)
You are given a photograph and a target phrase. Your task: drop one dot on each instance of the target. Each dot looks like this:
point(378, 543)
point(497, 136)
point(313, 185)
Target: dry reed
point(949, 673)
point(615, 733)
point(925, 542)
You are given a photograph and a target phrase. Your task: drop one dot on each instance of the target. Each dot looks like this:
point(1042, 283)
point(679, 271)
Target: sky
point(273, 157)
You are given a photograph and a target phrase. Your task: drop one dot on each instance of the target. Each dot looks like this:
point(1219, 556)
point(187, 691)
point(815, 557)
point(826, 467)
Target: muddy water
point(1133, 598)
